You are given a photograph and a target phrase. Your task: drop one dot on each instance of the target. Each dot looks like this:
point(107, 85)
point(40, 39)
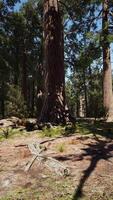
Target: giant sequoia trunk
point(54, 104)
point(107, 73)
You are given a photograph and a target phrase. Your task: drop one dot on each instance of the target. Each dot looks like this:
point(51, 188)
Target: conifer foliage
point(55, 55)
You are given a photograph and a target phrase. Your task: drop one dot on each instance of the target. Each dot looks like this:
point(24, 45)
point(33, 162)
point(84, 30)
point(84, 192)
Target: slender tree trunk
point(16, 68)
point(107, 73)
point(40, 90)
point(30, 95)
point(24, 76)
point(33, 97)
point(54, 105)
point(3, 99)
point(78, 107)
point(90, 96)
point(85, 93)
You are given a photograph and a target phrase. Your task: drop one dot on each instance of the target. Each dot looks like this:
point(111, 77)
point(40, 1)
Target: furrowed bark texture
point(54, 105)
point(107, 73)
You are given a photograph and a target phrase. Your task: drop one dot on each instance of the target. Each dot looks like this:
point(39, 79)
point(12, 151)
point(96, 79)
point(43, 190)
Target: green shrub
point(52, 132)
point(61, 147)
point(69, 129)
point(8, 132)
point(15, 104)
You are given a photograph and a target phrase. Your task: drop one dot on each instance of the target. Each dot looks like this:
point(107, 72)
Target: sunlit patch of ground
point(89, 158)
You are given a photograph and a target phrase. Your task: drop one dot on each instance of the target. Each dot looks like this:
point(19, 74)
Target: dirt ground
point(89, 158)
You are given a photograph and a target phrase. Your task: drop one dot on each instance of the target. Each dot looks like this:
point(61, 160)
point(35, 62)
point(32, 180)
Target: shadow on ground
point(96, 127)
point(102, 150)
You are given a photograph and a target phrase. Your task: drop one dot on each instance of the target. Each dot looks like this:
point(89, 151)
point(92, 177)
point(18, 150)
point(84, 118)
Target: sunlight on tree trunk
point(107, 73)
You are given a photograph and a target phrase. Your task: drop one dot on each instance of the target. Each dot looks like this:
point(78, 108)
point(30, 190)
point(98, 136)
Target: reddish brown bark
point(107, 73)
point(54, 105)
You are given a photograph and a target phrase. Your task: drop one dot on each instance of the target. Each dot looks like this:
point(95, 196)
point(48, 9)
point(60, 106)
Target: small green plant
point(52, 132)
point(83, 128)
point(69, 129)
point(21, 194)
point(6, 133)
point(61, 147)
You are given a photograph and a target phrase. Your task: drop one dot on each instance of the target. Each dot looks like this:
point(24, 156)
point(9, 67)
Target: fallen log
point(29, 165)
point(35, 150)
point(53, 164)
point(57, 167)
point(50, 140)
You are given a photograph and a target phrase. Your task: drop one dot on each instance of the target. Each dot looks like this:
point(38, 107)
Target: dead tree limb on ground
point(53, 164)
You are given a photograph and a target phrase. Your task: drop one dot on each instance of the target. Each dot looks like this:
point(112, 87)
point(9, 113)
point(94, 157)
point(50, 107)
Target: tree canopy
point(24, 60)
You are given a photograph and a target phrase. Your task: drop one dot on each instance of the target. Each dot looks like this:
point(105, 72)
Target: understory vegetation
point(82, 127)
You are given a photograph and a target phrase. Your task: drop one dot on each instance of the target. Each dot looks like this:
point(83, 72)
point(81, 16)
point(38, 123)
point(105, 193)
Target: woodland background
point(22, 56)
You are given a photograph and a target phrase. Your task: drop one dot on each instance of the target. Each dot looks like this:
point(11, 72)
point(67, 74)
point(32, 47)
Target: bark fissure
point(107, 73)
point(54, 105)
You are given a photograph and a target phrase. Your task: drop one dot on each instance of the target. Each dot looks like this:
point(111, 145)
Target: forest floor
point(89, 158)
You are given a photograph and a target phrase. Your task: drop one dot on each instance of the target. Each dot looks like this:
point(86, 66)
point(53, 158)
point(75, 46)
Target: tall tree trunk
point(54, 105)
point(107, 73)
